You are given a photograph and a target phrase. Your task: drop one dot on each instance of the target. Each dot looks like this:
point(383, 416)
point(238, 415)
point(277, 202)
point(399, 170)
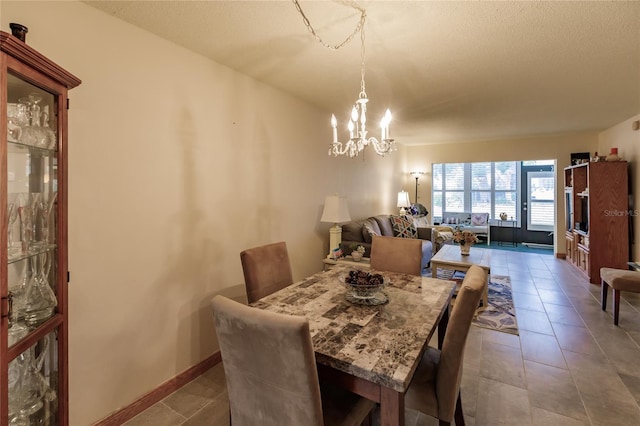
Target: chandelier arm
point(359, 26)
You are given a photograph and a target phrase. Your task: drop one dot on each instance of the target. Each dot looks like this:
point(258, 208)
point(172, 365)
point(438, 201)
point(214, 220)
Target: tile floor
point(569, 366)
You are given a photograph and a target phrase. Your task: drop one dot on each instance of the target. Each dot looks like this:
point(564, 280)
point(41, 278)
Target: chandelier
point(357, 125)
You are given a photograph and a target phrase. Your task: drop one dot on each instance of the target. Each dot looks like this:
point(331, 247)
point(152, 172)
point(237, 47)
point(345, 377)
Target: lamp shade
point(335, 210)
point(403, 199)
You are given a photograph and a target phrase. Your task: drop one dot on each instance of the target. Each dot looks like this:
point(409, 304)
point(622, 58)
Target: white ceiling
point(449, 70)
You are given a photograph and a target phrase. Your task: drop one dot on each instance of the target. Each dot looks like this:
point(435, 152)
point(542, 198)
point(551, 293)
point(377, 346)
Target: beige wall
point(627, 140)
point(555, 147)
point(176, 164)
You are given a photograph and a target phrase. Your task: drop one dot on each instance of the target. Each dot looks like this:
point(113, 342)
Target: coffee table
point(365, 263)
point(449, 257)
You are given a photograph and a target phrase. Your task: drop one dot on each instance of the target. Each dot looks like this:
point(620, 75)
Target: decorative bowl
point(364, 287)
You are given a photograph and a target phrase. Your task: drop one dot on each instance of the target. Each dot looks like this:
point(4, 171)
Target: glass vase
point(40, 300)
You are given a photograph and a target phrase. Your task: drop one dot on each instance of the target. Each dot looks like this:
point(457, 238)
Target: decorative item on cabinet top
point(613, 155)
point(19, 31)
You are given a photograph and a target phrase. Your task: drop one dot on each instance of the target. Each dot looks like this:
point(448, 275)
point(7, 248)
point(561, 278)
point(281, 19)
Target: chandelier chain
point(359, 137)
point(363, 93)
point(359, 27)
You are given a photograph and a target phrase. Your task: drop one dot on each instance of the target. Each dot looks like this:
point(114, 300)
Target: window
point(481, 186)
point(506, 189)
point(454, 187)
point(541, 203)
point(475, 187)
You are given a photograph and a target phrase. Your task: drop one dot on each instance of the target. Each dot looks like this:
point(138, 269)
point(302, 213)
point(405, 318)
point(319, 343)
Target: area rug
point(500, 315)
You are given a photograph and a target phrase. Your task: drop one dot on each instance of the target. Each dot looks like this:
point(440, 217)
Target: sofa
point(360, 232)
point(477, 223)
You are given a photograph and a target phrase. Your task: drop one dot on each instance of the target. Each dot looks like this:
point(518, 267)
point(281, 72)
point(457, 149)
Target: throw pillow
point(403, 227)
point(368, 232)
point(479, 219)
point(418, 210)
point(420, 221)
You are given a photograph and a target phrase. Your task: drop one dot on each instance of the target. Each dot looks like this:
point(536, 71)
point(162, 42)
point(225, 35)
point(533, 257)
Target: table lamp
point(335, 211)
point(403, 201)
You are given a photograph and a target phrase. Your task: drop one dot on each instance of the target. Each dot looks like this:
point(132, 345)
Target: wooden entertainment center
point(597, 216)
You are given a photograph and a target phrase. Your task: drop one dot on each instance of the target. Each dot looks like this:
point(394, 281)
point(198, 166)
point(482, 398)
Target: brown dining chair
point(271, 372)
point(394, 254)
point(435, 387)
point(619, 280)
point(267, 269)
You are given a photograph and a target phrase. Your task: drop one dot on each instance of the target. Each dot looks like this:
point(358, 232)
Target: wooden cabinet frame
point(28, 65)
point(597, 216)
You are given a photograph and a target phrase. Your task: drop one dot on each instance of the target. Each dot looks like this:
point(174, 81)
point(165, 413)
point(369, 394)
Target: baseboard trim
point(561, 255)
point(159, 393)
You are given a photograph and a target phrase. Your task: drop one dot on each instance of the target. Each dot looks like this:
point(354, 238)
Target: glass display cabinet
point(33, 236)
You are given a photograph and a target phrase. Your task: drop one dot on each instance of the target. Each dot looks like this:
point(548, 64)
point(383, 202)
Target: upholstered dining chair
point(267, 269)
point(435, 388)
point(271, 372)
point(396, 254)
point(619, 280)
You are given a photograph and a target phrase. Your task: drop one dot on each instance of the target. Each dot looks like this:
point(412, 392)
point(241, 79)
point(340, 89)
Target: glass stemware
point(25, 212)
point(37, 206)
point(51, 134)
point(12, 215)
point(27, 106)
point(46, 203)
point(34, 100)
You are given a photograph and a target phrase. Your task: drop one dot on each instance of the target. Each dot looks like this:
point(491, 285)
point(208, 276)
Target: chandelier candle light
point(357, 126)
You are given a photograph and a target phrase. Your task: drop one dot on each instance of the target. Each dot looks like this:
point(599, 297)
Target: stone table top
point(381, 344)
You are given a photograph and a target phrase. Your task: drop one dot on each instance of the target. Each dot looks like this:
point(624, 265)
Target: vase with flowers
point(357, 252)
point(466, 239)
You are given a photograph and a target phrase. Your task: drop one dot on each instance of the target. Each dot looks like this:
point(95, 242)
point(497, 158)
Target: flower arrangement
point(465, 237)
point(357, 252)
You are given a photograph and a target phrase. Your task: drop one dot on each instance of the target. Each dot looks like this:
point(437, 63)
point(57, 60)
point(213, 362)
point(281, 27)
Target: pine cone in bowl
point(363, 284)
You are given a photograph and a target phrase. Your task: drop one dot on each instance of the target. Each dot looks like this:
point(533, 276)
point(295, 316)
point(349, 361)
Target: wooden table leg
point(442, 325)
point(485, 294)
point(391, 407)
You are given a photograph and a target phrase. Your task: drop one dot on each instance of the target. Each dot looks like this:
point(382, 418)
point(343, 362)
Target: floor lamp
point(416, 175)
point(335, 211)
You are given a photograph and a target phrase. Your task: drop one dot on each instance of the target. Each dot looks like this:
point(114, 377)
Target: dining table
point(372, 350)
